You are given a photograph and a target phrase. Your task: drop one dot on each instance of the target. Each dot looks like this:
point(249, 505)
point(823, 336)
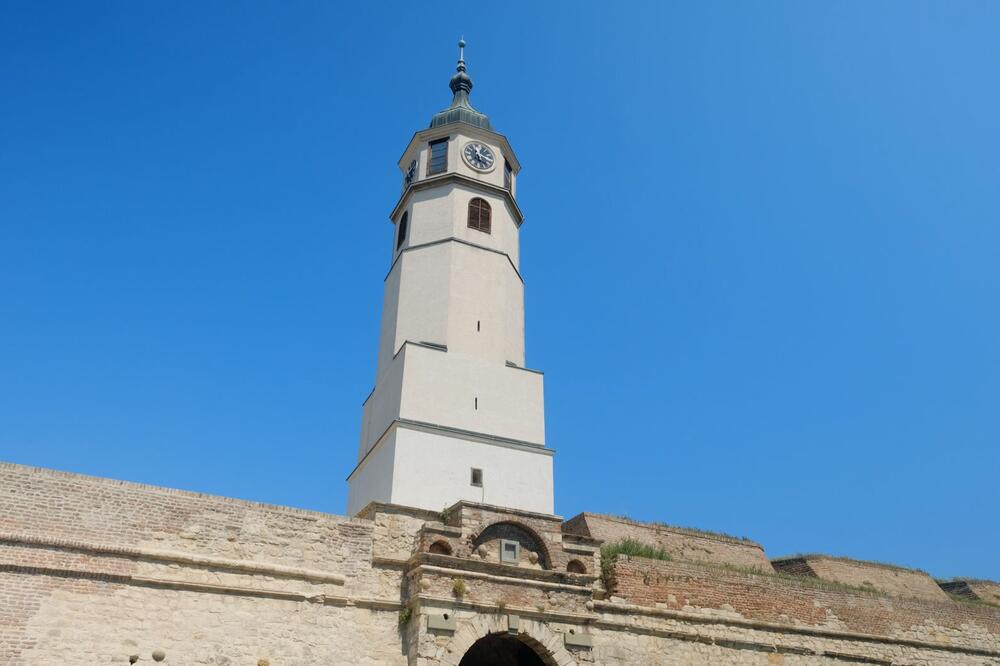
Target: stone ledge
point(556, 520)
point(509, 580)
point(522, 611)
point(579, 549)
point(439, 528)
point(203, 561)
point(462, 564)
point(209, 588)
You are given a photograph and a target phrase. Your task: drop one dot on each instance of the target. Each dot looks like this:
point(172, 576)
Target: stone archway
point(501, 650)
point(546, 645)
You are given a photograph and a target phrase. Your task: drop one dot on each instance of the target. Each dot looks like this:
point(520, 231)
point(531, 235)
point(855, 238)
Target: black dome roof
point(461, 110)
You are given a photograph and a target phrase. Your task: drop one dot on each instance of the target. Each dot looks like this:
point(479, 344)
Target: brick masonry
point(975, 590)
point(681, 543)
point(894, 580)
point(95, 570)
point(778, 599)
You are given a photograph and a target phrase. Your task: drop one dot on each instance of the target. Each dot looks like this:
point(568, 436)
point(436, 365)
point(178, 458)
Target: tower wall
point(438, 468)
point(461, 297)
point(451, 390)
point(460, 412)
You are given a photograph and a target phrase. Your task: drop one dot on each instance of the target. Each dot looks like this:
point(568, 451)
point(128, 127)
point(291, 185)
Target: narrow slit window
point(508, 175)
point(479, 215)
point(438, 160)
point(403, 224)
point(477, 477)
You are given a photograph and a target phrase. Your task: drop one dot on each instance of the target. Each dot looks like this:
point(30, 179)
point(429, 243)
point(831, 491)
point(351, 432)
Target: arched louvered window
point(479, 215)
point(403, 223)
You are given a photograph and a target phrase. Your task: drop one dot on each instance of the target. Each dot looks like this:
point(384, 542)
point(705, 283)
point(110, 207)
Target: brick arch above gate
point(547, 644)
point(532, 534)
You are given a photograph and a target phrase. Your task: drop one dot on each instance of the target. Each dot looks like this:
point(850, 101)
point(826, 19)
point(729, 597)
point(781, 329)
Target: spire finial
point(460, 84)
point(461, 110)
point(461, 55)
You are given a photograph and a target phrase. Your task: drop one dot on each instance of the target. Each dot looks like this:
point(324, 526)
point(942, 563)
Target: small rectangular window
point(509, 551)
point(437, 162)
point(477, 477)
point(508, 175)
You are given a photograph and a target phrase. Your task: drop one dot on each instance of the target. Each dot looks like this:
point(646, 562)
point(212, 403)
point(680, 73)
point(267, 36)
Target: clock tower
point(455, 414)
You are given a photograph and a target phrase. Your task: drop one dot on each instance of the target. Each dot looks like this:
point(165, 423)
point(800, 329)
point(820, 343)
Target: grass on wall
point(633, 548)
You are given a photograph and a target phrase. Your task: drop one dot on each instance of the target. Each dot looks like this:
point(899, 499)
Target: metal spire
point(461, 81)
point(461, 110)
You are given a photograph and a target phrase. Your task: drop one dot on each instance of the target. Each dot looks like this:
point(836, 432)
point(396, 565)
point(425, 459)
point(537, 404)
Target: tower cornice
point(459, 179)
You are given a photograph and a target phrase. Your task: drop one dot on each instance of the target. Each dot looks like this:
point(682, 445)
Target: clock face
point(478, 156)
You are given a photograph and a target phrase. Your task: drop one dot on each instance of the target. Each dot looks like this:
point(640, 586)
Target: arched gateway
point(501, 650)
point(487, 641)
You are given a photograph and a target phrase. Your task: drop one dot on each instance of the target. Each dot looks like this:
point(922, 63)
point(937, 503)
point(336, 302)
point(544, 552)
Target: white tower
point(454, 414)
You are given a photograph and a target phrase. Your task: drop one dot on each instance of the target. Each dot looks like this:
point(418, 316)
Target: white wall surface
point(486, 307)
point(443, 212)
point(390, 313)
point(504, 234)
point(463, 392)
point(382, 406)
point(372, 480)
point(471, 300)
point(418, 290)
point(455, 391)
point(438, 470)
point(451, 294)
point(431, 215)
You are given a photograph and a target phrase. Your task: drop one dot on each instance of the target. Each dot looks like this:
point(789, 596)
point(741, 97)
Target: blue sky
point(761, 250)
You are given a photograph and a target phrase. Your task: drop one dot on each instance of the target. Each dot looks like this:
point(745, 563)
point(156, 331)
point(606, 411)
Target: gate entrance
point(501, 650)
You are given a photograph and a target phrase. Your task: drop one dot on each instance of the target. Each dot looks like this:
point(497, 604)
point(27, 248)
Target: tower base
point(439, 464)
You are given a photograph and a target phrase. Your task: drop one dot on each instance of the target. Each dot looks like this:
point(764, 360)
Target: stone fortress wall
point(893, 580)
point(95, 571)
point(680, 543)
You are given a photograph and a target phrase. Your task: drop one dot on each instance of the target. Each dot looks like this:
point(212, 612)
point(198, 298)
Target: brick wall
point(680, 543)
point(886, 578)
point(93, 570)
point(782, 600)
point(48, 504)
point(976, 590)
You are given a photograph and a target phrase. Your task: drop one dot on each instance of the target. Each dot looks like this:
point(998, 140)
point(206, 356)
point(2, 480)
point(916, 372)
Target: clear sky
point(761, 250)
